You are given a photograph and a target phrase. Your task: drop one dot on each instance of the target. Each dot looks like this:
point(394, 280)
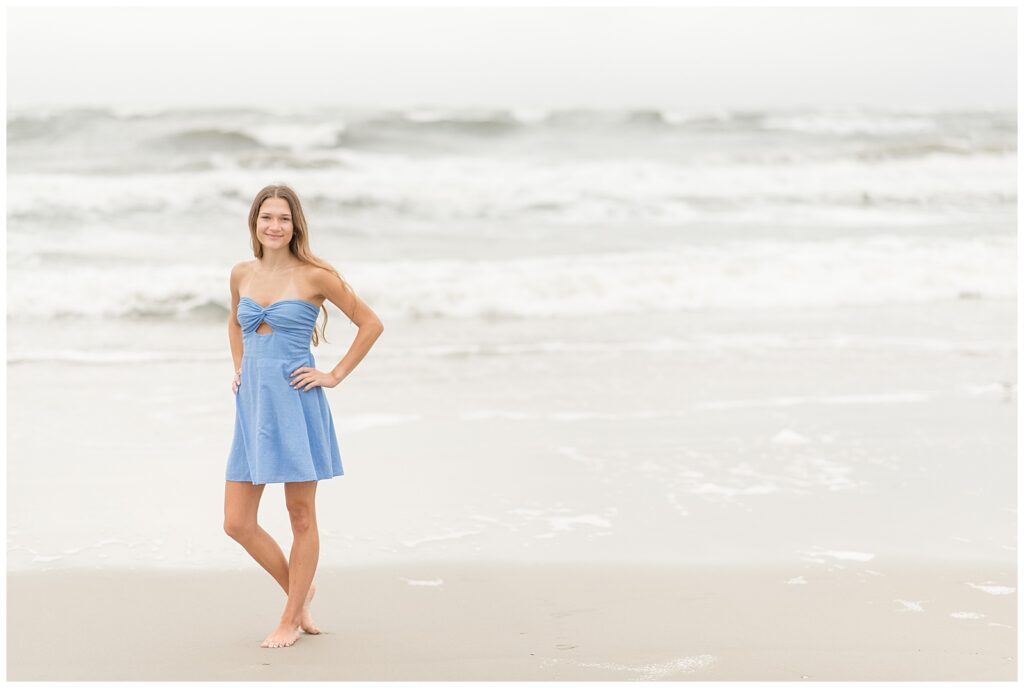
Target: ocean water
point(660, 335)
point(515, 214)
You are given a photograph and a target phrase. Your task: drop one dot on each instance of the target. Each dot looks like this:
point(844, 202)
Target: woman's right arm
point(235, 329)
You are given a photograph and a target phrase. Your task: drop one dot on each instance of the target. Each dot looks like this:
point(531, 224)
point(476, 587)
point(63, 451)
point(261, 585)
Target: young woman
point(284, 431)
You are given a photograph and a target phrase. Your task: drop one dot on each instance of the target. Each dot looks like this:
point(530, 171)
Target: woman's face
point(274, 223)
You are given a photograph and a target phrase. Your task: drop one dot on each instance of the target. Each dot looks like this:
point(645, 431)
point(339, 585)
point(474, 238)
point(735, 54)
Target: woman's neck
point(270, 264)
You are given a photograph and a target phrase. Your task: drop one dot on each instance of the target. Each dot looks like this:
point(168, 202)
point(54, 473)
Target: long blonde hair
point(299, 244)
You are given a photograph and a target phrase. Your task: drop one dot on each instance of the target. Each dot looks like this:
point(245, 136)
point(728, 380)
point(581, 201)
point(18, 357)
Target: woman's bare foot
point(284, 635)
point(307, 620)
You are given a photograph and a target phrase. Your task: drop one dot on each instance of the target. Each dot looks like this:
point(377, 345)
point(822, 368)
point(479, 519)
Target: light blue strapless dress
point(282, 434)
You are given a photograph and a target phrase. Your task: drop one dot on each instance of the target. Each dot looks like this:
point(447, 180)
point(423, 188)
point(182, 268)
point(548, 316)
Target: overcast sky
point(672, 57)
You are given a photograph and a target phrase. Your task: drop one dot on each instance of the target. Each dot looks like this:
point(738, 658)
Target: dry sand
point(451, 621)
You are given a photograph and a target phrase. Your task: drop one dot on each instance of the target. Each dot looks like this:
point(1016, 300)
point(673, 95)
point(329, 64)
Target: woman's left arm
point(370, 328)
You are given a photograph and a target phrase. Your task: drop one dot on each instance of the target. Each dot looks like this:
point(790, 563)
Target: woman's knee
point(240, 528)
point(301, 517)
point(241, 504)
point(300, 499)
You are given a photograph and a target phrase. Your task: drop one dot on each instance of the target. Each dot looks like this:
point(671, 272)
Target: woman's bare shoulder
point(239, 270)
point(318, 277)
point(311, 273)
point(310, 270)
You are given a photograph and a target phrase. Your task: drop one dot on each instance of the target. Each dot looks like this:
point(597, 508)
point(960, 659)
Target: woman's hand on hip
point(308, 378)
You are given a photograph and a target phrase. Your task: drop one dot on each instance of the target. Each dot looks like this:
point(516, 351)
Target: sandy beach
point(464, 621)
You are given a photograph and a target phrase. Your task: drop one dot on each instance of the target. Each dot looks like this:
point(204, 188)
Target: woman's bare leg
point(300, 499)
point(241, 504)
